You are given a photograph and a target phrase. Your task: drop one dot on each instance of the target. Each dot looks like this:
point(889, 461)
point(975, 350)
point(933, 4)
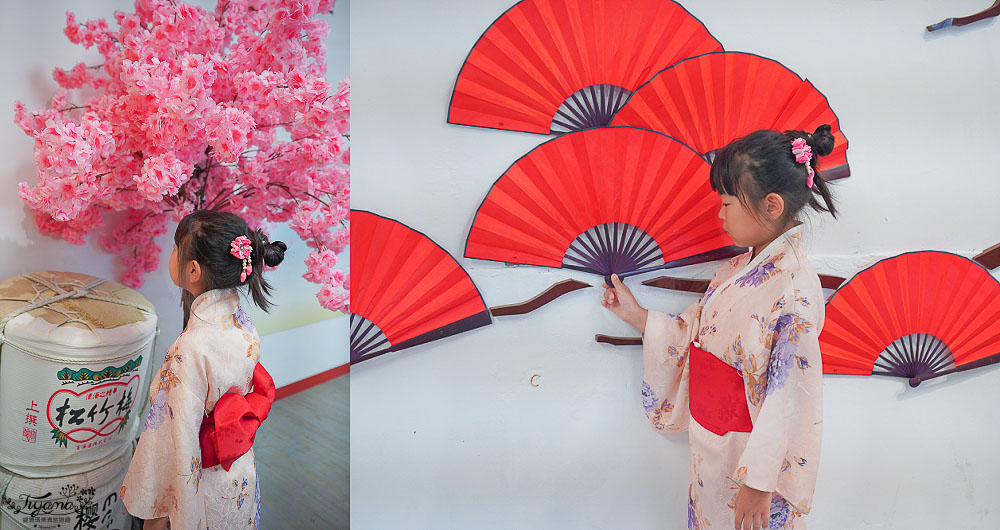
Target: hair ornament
point(241, 249)
point(803, 154)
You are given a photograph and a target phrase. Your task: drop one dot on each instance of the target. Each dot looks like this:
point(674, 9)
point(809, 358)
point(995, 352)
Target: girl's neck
point(757, 249)
point(195, 290)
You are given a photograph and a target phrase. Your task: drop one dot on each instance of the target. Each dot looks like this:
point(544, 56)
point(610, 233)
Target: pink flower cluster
point(192, 109)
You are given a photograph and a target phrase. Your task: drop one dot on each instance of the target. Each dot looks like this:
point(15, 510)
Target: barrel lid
point(74, 314)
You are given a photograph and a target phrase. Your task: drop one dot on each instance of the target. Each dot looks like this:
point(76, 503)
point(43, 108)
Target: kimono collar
point(791, 237)
point(216, 303)
point(792, 234)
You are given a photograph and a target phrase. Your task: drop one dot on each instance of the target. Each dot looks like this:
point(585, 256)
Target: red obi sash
point(718, 401)
point(228, 432)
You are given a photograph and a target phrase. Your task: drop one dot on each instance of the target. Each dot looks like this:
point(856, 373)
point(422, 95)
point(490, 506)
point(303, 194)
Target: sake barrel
point(76, 353)
point(87, 500)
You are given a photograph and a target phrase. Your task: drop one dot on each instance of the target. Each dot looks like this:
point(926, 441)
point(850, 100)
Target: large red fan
point(710, 100)
point(918, 315)
point(556, 65)
point(605, 200)
point(405, 289)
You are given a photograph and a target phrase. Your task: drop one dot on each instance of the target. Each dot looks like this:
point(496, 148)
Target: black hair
point(206, 236)
point(762, 162)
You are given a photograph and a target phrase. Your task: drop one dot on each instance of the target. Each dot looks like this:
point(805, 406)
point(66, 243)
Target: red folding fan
point(918, 315)
point(605, 200)
point(405, 289)
point(709, 100)
point(558, 65)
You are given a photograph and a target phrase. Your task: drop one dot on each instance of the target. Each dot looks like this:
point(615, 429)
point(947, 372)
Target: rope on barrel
point(82, 291)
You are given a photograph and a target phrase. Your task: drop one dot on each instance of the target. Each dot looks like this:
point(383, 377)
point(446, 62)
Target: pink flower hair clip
point(241, 249)
point(803, 154)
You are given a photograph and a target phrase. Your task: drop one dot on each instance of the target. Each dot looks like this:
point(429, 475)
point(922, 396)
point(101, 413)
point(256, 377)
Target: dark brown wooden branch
point(700, 286)
point(989, 12)
point(548, 295)
point(678, 284)
point(989, 258)
point(619, 341)
point(829, 281)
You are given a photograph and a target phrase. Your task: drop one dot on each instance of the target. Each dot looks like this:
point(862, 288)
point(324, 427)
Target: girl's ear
point(194, 272)
point(774, 206)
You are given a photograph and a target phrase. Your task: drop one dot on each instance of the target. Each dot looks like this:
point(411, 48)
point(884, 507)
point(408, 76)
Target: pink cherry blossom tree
point(192, 109)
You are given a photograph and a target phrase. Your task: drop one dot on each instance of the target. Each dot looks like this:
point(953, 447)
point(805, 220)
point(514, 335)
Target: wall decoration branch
point(618, 341)
point(700, 286)
point(989, 258)
point(989, 12)
point(546, 296)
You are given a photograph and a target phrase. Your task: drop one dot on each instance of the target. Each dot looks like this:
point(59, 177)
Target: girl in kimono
point(740, 369)
point(185, 475)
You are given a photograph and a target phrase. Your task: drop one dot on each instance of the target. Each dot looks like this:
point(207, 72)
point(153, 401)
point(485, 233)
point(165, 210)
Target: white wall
point(33, 43)
point(452, 435)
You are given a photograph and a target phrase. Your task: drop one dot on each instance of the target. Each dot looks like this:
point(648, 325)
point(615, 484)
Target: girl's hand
point(753, 509)
point(618, 298)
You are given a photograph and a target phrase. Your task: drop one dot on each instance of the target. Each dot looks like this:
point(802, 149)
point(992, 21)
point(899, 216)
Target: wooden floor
point(303, 461)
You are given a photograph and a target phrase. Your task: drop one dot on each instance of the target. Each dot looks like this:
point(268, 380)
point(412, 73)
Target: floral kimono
point(216, 354)
point(759, 320)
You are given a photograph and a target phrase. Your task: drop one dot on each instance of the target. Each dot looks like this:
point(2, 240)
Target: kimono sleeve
point(665, 367)
point(163, 479)
point(782, 452)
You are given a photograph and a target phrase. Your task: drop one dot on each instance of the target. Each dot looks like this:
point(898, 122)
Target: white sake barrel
point(76, 353)
point(89, 500)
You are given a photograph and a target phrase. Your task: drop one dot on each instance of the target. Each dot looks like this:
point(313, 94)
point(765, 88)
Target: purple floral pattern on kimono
point(256, 501)
point(786, 333)
point(243, 319)
point(802, 361)
point(781, 355)
point(781, 512)
point(157, 411)
point(649, 399)
point(708, 293)
point(761, 272)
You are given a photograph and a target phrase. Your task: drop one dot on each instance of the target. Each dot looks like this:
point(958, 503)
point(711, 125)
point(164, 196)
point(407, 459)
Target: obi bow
point(228, 432)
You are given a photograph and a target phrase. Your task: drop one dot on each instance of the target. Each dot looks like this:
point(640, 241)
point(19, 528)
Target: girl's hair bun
point(274, 253)
point(821, 141)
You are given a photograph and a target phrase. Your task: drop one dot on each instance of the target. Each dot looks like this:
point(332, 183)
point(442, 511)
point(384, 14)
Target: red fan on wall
point(405, 289)
point(919, 315)
point(605, 200)
point(709, 100)
point(563, 65)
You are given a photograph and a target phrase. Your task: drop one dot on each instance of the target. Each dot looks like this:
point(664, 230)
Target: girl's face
point(173, 267)
point(746, 229)
point(187, 276)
